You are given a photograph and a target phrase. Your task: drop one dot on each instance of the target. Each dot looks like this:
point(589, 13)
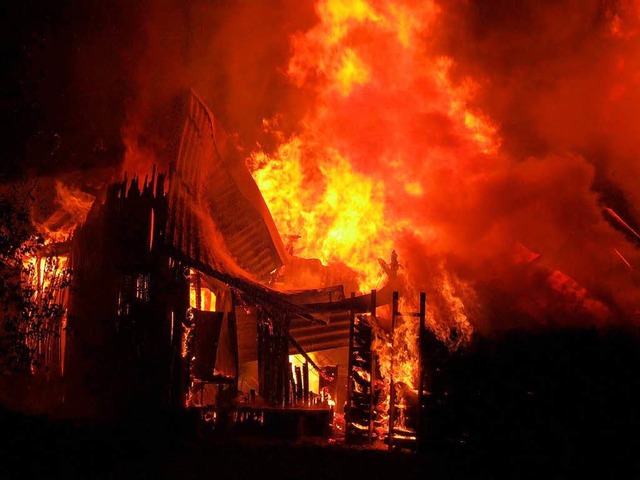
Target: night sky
point(74, 71)
point(65, 84)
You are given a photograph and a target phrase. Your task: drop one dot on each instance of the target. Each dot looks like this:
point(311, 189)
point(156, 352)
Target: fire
point(333, 207)
point(45, 273)
point(45, 277)
point(351, 72)
point(73, 207)
point(45, 281)
point(362, 170)
point(365, 153)
point(341, 189)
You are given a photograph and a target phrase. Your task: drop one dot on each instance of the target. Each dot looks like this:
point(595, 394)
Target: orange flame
point(73, 207)
point(369, 147)
point(388, 122)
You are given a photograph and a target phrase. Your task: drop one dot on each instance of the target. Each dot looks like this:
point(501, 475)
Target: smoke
point(557, 76)
point(232, 53)
point(559, 80)
point(100, 86)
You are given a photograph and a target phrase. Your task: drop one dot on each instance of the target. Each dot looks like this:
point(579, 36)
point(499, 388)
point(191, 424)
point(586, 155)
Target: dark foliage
point(29, 313)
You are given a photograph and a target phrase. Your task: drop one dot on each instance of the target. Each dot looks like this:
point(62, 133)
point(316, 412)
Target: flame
point(73, 207)
point(340, 183)
point(45, 282)
point(365, 152)
point(372, 145)
point(200, 297)
point(332, 208)
point(45, 273)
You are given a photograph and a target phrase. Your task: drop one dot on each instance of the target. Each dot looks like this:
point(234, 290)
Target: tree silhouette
point(32, 282)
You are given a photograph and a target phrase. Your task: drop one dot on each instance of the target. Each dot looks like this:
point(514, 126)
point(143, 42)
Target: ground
point(527, 405)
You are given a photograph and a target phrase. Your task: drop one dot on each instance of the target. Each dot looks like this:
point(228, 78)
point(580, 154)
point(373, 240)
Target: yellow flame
point(340, 218)
point(340, 15)
point(351, 72)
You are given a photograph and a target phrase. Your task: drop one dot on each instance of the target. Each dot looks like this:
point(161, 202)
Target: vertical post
point(421, 369)
point(292, 387)
point(372, 374)
point(286, 366)
point(305, 383)
point(392, 391)
point(283, 362)
point(198, 291)
point(259, 348)
point(347, 413)
point(298, 383)
point(233, 332)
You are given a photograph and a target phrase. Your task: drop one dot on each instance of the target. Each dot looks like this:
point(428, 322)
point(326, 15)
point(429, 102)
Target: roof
point(216, 212)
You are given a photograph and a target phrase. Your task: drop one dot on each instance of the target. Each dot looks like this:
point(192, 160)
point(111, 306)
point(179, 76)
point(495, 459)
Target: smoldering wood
point(349, 413)
point(372, 373)
point(422, 394)
point(361, 416)
point(329, 380)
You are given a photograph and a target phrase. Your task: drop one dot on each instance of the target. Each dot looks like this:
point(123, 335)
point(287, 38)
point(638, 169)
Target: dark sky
point(65, 83)
point(76, 73)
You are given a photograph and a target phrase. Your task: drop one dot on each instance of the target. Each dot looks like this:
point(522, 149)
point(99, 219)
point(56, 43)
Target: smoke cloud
point(559, 79)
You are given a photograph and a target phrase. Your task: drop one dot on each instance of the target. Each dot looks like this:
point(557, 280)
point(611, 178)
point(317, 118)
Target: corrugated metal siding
point(208, 198)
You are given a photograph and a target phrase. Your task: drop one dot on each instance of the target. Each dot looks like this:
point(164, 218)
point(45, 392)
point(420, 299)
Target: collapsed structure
point(184, 295)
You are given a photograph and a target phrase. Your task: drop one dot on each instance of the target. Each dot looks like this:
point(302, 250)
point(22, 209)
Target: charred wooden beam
point(305, 383)
point(299, 388)
point(361, 415)
point(392, 391)
point(372, 373)
point(272, 300)
point(421, 423)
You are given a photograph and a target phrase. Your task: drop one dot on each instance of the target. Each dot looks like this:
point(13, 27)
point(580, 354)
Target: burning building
point(228, 277)
point(183, 295)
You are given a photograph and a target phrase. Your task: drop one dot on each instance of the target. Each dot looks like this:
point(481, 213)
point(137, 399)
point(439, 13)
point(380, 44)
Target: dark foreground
point(546, 405)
